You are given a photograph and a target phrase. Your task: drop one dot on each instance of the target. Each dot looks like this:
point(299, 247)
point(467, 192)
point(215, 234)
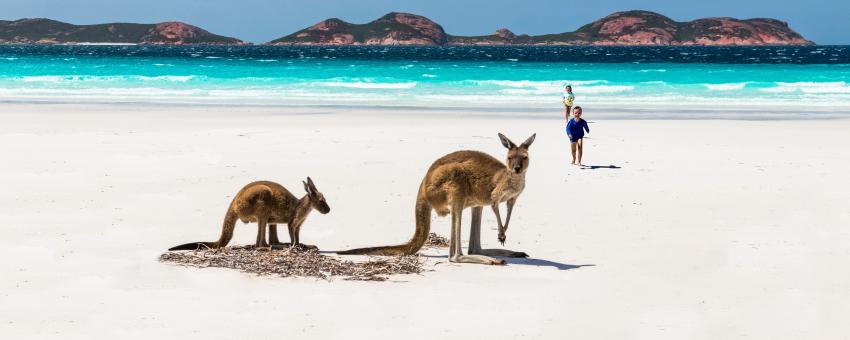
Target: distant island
point(621, 28)
point(46, 31)
point(631, 28)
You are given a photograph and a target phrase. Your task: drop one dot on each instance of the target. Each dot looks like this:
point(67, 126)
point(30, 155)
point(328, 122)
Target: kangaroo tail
point(423, 226)
point(226, 235)
point(194, 246)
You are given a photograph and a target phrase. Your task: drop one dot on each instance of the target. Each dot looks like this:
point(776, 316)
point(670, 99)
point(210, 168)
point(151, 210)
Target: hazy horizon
point(260, 21)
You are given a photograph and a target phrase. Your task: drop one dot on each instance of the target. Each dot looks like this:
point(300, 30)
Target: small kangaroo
point(267, 203)
point(466, 179)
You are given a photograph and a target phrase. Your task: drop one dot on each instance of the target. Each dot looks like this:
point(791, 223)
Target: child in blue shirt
point(575, 131)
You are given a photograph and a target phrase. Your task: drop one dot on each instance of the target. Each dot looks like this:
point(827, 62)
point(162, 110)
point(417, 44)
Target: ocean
point(632, 81)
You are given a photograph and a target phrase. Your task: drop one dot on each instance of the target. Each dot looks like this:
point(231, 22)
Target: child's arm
point(586, 128)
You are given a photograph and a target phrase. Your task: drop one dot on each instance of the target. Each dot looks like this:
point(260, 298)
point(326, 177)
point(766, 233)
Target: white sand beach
point(684, 229)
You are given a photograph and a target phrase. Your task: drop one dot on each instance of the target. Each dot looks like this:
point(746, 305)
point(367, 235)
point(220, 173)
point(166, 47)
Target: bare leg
point(455, 251)
point(573, 150)
point(580, 149)
point(475, 237)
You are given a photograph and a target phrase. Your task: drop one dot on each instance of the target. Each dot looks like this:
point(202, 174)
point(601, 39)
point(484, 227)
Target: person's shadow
point(594, 167)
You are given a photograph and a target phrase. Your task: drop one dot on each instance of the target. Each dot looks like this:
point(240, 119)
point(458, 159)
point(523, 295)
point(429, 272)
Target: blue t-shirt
point(576, 128)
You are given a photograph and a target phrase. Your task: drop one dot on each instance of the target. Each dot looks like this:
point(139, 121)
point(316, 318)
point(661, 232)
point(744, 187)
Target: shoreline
point(657, 112)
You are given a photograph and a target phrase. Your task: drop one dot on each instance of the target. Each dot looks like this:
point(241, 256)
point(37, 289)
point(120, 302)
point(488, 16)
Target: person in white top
point(568, 98)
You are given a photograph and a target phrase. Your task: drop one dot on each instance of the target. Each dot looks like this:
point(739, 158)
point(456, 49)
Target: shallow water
point(627, 79)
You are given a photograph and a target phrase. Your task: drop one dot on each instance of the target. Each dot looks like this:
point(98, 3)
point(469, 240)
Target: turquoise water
point(246, 77)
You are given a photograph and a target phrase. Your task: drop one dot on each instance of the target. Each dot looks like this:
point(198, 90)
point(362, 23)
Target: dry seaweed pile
point(436, 241)
point(296, 262)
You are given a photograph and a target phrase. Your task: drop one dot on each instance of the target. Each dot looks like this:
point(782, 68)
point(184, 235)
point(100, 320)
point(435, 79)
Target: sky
point(823, 21)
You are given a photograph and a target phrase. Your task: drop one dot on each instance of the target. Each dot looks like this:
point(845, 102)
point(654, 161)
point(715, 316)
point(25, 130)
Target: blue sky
point(825, 22)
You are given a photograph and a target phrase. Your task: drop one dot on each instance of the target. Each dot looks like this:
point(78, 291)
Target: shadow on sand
point(594, 167)
point(527, 262)
point(544, 263)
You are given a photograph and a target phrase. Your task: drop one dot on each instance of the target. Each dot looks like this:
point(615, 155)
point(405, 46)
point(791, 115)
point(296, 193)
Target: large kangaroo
point(267, 203)
point(466, 179)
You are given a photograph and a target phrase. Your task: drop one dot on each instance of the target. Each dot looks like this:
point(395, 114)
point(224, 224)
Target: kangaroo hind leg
point(455, 251)
point(261, 233)
point(274, 241)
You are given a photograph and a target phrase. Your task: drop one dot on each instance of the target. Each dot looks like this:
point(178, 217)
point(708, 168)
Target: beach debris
point(436, 241)
point(296, 262)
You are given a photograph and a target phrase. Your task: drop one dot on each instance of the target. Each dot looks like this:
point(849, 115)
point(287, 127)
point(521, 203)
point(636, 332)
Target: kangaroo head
point(317, 200)
point(517, 155)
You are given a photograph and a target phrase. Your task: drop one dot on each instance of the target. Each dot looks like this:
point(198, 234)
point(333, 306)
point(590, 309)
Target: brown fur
point(267, 203)
point(459, 180)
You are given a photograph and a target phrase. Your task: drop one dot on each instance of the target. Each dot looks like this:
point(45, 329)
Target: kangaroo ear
point(311, 184)
point(306, 187)
point(506, 142)
point(528, 141)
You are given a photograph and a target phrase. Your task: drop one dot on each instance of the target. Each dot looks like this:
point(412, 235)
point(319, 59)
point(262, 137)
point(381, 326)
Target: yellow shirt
point(568, 98)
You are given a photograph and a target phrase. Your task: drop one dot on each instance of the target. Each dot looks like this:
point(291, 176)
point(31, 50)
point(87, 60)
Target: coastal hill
point(391, 29)
point(46, 31)
point(621, 28)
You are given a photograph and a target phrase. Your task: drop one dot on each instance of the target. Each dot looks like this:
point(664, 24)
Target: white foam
point(50, 79)
point(90, 78)
point(836, 87)
point(529, 83)
point(426, 75)
point(181, 79)
point(368, 85)
point(604, 89)
point(726, 87)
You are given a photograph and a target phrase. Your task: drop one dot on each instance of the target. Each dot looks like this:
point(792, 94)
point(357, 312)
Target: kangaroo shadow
point(527, 261)
point(594, 167)
point(544, 263)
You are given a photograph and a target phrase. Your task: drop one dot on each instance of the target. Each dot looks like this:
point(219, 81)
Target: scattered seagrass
point(296, 262)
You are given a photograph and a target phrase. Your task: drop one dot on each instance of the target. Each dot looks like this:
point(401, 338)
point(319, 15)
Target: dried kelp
point(296, 262)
